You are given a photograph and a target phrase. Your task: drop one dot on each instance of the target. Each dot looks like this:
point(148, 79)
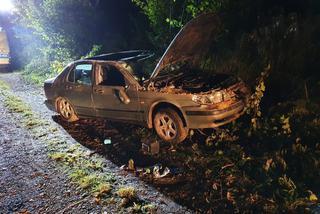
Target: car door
point(78, 88)
point(113, 96)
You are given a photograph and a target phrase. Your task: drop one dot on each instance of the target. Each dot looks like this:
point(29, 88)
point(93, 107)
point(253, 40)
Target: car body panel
point(107, 100)
point(107, 104)
point(150, 99)
point(79, 95)
point(201, 117)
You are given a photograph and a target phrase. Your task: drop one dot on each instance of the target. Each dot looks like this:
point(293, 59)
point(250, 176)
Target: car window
point(81, 74)
point(110, 76)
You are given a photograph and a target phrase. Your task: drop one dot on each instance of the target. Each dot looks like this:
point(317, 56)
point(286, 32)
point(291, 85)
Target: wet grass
point(127, 192)
point(4, 86)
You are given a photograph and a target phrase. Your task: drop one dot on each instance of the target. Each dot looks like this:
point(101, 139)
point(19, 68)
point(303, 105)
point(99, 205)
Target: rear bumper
point(50, 105)
point(4, 67)
point(198, 117)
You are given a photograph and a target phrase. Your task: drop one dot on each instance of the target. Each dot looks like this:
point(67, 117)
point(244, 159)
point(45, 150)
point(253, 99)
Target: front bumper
point(199, 117)
point(50, 105)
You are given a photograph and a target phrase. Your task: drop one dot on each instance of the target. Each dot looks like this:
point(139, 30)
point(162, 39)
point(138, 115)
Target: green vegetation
point(53, 33)
point(127, 192)
point(4, 86)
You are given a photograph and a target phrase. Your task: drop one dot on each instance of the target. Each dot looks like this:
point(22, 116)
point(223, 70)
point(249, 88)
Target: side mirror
point(122, 95)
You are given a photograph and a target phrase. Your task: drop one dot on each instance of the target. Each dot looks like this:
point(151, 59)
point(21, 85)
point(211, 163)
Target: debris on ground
point(151, 147)
point(107, 142)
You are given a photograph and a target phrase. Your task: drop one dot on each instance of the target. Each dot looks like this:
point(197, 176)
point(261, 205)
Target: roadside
point(32, 182)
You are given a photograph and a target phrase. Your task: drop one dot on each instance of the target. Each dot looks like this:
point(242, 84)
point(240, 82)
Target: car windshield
point(140, 70)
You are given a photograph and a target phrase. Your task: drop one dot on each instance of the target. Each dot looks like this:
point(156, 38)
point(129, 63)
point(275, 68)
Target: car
point(4, 51)
point(177, 97)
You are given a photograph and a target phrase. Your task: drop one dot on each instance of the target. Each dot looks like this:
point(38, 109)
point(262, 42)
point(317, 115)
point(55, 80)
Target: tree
point(256, 34)
point(55, 32)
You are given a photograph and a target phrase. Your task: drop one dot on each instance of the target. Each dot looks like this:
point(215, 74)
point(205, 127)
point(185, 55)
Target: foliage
point(96, 50)
point(164, 19)
point(53, 33)
point(127, 192)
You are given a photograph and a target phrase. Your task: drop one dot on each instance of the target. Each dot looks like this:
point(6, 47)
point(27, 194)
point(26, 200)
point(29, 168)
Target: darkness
point(121, 22)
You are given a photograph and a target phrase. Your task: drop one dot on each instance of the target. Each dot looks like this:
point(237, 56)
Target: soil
point(30, 182)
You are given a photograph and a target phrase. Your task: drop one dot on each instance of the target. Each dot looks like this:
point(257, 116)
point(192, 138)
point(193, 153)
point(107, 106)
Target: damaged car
point(182, 93)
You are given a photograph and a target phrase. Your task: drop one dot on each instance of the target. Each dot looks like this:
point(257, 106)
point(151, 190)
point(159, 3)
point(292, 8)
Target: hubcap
point(167, 127)
point(65, 109)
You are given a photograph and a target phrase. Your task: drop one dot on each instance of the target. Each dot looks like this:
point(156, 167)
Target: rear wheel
point(66, 110)
point(169, 126)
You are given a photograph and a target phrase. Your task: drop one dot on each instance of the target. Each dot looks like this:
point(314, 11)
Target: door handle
point(98, 91)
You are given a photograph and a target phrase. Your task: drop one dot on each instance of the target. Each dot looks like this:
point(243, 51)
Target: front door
point(78, 89)
point(113, 96)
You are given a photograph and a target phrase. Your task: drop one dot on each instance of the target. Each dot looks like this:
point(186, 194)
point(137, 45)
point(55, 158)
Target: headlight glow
point(214, 98)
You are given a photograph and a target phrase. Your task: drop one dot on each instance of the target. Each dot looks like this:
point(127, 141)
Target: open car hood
point(191, 45)
point(127, 56)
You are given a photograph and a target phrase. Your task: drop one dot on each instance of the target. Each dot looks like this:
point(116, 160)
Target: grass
point(4, 86)
point(95, 165)
point(16, 105)
point(102, 189)
point(127, 192)
point(89, 181)
point(35, 78)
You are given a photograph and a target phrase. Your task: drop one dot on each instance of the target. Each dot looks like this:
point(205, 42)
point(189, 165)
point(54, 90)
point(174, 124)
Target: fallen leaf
point(230, 197)
point(131, 165)
point(313, 197)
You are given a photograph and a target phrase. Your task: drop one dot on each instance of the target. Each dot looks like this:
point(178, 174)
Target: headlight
point(217, 97)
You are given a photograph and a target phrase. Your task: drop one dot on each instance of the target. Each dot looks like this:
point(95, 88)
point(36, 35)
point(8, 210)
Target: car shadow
point(126, 144)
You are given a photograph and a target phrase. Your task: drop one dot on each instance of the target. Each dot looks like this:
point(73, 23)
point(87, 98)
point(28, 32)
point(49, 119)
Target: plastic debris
point(159, 172)
point(151, 147)
point(107, 142)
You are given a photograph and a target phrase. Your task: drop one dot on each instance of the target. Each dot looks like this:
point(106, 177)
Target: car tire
point(66, 110)
point(169, 126)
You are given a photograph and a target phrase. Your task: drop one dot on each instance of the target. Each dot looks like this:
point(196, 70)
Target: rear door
point(109, 90)
point(78, 88)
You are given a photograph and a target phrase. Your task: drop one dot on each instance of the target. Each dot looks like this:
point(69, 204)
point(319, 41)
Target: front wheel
point(169, 126)
point(65, 109)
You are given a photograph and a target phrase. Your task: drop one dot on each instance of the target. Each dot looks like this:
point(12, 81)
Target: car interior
point(81, 74)
point(110, 76)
